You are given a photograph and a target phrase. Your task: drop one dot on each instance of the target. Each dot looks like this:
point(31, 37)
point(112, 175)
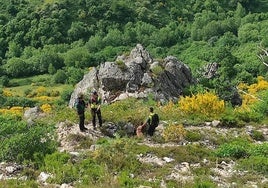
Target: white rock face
point(134, 76)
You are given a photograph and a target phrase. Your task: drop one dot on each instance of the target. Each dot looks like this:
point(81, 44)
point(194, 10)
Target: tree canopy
point(43, 37)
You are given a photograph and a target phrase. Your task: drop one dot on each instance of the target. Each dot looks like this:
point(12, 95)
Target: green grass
point(119, 156)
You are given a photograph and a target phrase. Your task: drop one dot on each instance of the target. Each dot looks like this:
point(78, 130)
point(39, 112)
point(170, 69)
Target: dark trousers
point(81, 122)
point(151, 130)
point(95, 112)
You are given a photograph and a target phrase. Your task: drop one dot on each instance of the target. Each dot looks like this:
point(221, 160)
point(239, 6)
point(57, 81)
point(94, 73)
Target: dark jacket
point(80, 106)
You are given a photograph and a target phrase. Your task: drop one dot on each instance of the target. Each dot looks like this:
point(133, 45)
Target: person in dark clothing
point(151, 123)
point(95, 104)
point(80, 109)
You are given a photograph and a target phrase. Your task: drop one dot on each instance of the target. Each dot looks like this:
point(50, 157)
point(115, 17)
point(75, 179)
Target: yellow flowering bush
point(46, 108)
point(250, 92)
point(207, 104)
point(44, 98)
point(168, 107)
point(174, 133)
point(170, 111)
point(251, 95)
point(15, 110)
point(7, 93)
point(41, 91)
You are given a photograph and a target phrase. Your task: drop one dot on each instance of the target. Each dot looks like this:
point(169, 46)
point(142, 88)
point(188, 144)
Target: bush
point(259, 150)
point(193, 136)
point(248, 115)
point(121, 65)
point(174, 133)
point(19, 101)
point(66, 94)
point(157, 70)
point(230, 120)
point(59, 165)
point(255, 163)
point(60, 77)
point(118, 155)
point(4, 81)
point(207, 104)
point(19, 142)
point(121, 111)
point(237, 149)
point(92, 172)
point(257, 135)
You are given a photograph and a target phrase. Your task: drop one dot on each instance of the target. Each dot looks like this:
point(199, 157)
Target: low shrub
point(157, 70)
point(92, 172)
point(255, 163)
point(57, 164)
point(192, 136)
point(202, 104)
point(81, 141)
point(121, 65)
point(229, 118)
point(257, 135)
point(259, 150)
point(174, 133)
point(118, 155)
point(121, 111)
point(237, 149)
point(248, 115)
point(19, 142)
point(19, 101)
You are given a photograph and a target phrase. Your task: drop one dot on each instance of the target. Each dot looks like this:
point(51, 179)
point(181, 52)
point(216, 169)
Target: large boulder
point(135, 76)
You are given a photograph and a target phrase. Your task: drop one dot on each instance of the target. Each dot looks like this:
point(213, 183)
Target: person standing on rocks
point(95, 104)
point(80, 106)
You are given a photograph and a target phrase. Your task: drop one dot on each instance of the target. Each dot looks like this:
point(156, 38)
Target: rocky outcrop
point(136, 75)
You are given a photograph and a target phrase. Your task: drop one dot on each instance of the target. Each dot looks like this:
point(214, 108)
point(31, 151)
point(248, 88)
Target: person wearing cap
point(80, 109)
point(95, 104)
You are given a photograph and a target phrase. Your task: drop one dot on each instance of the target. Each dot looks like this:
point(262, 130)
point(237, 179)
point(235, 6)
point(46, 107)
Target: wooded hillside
point(63, 37)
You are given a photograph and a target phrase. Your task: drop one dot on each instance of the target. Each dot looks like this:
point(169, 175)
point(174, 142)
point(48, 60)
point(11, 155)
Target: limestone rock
point(134, 76)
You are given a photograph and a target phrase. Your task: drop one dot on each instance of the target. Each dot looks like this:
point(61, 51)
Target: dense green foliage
point(21, 142)
point(38, 37)
point(52, 42)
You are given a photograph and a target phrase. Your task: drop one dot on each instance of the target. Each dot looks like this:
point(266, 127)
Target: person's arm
point(99, 104)
point(98, 108)
point(89, 103)
point(146, 122)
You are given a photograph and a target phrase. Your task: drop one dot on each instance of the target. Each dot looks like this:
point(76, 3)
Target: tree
point(113, 38)
point(95, 43)
point(43, 64)
point(14, 50)
point(16, 67)
point(248, 32)
point(51, 69)
point(60, 77)
point(4, 81)
point(77, 31)
point(74, 75)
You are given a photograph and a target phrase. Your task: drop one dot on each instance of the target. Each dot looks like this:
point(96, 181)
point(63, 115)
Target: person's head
point(94, 93)
point(80, 96)
point(151, 109)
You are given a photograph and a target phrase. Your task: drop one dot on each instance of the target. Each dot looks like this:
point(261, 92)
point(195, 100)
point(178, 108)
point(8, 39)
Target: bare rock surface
point(136, 75)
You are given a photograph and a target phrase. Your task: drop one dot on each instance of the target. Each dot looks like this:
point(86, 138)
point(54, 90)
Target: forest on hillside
point(47, 46)
point(63, 38)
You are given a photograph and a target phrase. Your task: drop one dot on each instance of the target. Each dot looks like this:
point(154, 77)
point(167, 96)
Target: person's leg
point(151, 130)
point(93, 114)
point(82, 122)
point(99, 117)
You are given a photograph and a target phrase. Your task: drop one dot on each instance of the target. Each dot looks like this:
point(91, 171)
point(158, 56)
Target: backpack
point(155, 120)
